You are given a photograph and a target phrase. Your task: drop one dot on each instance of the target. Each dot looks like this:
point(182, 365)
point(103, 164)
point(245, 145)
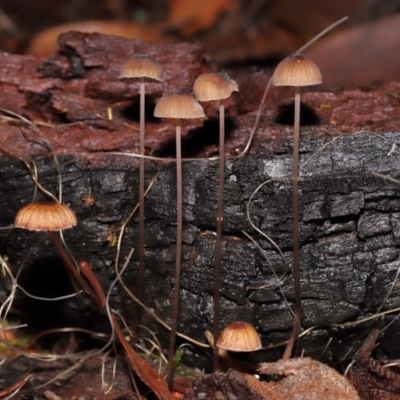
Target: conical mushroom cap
point(296, 70)
point(142, 67)
point(178, 104)
point(45, 217)
point(214, 86)
point(239, 336)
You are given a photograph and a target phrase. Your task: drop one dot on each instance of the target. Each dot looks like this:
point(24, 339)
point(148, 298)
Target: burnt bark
point(350, 229)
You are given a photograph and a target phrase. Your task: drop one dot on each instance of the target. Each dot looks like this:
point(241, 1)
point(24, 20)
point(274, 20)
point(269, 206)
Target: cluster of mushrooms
point(296, 71)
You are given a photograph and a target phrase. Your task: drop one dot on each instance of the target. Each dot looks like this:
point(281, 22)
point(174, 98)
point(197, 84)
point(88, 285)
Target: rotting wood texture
point(350, 218)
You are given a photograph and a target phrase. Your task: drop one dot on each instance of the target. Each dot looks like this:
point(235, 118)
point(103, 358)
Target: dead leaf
point(360, 55)
point(307, 379)
point(372, 380)
point(45, 42)
point(193, 15)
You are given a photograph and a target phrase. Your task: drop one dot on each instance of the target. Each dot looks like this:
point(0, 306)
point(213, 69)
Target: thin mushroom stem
point(141, 206)
point(73, 267)
point(296, 236)
point(218, 242)
point(178, 256)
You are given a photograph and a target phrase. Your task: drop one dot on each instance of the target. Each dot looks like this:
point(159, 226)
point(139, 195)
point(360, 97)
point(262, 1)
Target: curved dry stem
point(93, 334)
point(322, 33)
point(128, 291)
point(4, 310)
point(259, 187)
point(34, 174)
point(67, 296)
point(72, 267)
point(323, 147)
point(264, 96)
point(124, 225)
point(278, 280)
point(43, 142)
point(103, 370)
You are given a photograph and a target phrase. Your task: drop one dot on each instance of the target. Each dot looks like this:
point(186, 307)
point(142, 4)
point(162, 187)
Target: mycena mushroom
point(214, 86)
point(239, 336)
point(142, 69)
point(296, 70)
point(51, 217)
point(177, 105)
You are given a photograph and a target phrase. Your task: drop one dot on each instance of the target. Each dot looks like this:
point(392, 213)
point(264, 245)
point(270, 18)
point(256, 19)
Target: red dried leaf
point(372, 380)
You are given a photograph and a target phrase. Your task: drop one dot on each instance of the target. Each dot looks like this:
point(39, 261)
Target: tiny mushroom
point(296, 70)
point(177, 105)
point(215, 86)
point(239, 336)
point(45, 217)
point(50, 217)
point(142, 69)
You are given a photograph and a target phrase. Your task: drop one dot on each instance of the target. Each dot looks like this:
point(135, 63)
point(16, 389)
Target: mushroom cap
point(214, 86)
point(296, 70)
point(178, 104)
point(239, 336)
point(142, 67)
point(45, 217)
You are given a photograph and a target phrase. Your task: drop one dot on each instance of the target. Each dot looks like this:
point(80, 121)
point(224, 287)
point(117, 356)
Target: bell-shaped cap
point(214, 86)
point(296, 70)
point(178, 104)
point(45, 217)
point(239, 336)
point(142, 67)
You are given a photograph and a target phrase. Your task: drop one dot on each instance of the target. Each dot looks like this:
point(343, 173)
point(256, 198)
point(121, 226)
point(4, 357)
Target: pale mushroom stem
point(178, 255)
point(296, 235)
point(218, 242)
point(72, 267)
point(139, 292)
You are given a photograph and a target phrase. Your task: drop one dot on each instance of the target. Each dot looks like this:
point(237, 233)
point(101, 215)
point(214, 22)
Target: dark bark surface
point(350, 218)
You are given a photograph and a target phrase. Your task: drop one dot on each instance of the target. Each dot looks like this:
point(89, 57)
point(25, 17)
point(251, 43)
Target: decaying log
point(350, 214)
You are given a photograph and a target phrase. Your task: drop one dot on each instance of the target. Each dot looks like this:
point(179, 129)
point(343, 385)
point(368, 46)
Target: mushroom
point(214, 86)
point(239, 336)
point(177, 105)
point(142, 69)
point(50, 217)
point(296, 70)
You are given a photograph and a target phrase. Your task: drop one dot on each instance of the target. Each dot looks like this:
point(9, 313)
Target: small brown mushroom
point(239, 336)
point(51, 217)
point(141, 68)
point(296, 70)
point(45, 217)
point(178, 105)
point(214, 86)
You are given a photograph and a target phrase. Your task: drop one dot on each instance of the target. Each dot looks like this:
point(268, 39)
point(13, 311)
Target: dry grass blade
point(143, 370)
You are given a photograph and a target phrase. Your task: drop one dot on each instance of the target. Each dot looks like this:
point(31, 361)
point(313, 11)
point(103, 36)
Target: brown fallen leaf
point(360, 55)
point(308, 379)
point(191, 16)
point(372, 380)
point(303, 379)
point(45, 42)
